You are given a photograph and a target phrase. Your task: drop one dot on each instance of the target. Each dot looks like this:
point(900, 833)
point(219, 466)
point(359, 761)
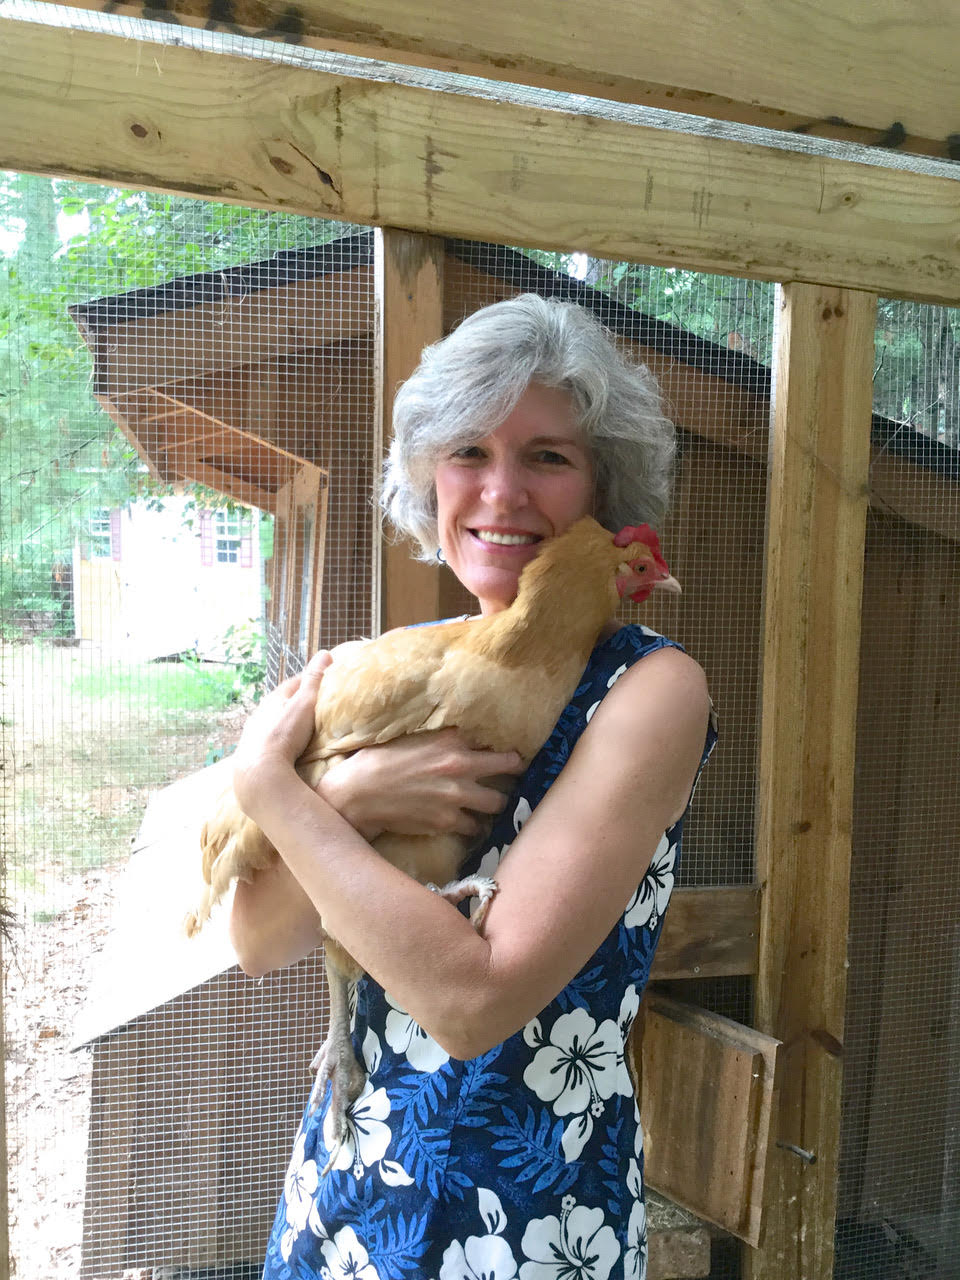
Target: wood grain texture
point(408, 284)
point(259, 134)
point(707, 1093)
point(817, 503)
point(868, 63)
point(709, 933)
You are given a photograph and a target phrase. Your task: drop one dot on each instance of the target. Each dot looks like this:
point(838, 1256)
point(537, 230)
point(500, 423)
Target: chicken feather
point(501, 680)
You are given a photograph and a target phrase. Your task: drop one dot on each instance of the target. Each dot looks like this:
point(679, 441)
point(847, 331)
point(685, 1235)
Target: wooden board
point(709, 933)
point(254, 133)
point(762, 63)
point(706, 1102)
point(408, 281)
point(820, 450)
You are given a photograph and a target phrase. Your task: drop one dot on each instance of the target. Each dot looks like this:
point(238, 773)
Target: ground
point(83, 750)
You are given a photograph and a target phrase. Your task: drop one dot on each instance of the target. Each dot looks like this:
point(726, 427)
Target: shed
point(268, 399)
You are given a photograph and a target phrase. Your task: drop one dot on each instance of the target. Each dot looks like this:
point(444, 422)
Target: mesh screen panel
point(899, 1193)
point(189, 449)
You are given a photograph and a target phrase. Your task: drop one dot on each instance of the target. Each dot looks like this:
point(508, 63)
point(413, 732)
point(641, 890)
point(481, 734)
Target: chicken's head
point(643, 568)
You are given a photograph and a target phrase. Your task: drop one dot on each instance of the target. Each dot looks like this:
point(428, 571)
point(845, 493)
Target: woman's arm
point(563, 885)
point(417, 785)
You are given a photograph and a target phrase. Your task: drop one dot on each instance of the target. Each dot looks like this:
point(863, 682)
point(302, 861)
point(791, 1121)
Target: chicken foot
point(456, 891)
point(335, 1062)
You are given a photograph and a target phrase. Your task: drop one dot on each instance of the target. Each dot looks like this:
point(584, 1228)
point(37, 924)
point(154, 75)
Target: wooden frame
point(816, 514)
point(786, 68)
point(376, 152)
point(257, 133)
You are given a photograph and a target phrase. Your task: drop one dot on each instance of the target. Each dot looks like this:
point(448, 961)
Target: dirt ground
point(61, 776)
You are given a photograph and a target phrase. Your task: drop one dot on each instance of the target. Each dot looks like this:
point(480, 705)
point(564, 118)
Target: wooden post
point(816, 509)
point(408, 282)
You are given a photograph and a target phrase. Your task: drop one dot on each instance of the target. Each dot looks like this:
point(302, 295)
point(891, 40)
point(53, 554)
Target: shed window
point(99, 536)
point(229, 535)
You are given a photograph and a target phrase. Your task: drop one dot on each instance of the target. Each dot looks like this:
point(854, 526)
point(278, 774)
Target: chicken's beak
point(670, 584)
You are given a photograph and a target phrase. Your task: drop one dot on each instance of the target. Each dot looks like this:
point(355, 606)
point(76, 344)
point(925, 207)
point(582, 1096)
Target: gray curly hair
point(468, 383)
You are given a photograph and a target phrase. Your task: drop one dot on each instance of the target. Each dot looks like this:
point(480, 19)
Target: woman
point(497, 1134)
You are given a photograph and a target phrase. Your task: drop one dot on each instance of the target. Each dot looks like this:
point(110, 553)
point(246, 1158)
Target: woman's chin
point(495, 588)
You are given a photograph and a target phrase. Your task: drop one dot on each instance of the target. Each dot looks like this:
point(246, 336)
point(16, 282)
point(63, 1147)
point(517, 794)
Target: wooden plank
point(408, 280)
point(759, 62)
point(817, 501)
point(709, 933)
point(706, 1126)
point(255, 133)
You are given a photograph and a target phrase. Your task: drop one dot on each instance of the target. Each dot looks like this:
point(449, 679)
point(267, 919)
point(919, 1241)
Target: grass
point(177, 687)
point(85, 742)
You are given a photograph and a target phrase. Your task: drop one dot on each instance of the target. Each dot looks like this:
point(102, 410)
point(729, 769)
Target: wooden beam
point(255, 133)
point(813, 65)
point(816, 508)
point(408, 283)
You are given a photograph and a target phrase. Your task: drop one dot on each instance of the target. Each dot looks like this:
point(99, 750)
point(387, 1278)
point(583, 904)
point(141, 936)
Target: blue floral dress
point(525, 1162)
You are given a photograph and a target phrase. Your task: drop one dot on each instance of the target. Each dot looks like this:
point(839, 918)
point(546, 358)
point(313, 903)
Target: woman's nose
point(503, 486)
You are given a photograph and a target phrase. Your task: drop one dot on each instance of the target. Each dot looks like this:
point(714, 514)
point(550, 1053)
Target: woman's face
point(499, 498)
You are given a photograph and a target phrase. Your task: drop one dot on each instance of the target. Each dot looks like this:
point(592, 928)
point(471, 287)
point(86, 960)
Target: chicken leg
point(335, 1062)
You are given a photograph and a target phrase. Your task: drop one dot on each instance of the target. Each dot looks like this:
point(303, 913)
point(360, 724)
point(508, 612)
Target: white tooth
point(506, 539)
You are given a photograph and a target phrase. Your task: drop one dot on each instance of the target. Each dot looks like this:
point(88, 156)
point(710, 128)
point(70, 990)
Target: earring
point(440, 556)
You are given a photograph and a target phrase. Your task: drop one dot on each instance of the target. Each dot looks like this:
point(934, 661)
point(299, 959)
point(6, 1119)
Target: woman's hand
point(280, 728)
point(423, 784)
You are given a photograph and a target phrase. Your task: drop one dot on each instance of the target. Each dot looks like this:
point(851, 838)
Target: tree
point(62, 459)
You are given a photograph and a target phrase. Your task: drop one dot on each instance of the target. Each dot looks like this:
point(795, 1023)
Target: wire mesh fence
point(189, 448)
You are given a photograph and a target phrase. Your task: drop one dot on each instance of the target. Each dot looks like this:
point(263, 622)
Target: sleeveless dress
point(525, 1162)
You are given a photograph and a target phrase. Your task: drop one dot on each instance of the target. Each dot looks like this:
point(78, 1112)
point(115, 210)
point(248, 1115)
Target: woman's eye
point(469, 453)
point(551, 456)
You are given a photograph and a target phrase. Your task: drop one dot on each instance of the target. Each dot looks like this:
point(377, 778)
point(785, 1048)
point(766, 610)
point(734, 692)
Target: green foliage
point(917, 368)
point(61, 243)
point(173, 687)
point(246, 649)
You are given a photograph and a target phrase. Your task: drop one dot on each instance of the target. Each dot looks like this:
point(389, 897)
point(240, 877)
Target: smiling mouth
point(505, 539)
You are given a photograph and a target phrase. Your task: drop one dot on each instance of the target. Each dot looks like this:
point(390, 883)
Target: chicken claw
point(481, 887)
point(336, 1064)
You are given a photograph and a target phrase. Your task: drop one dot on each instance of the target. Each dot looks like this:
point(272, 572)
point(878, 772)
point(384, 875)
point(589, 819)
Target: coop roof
point(156, 349)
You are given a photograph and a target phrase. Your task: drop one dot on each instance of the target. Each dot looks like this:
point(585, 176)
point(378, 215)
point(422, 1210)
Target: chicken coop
point(744, 217)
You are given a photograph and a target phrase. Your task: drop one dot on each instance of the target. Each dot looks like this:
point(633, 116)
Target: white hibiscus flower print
point(479, 1258)
point(635, 1258)
point(650, 901)
point(347, 1259)
point(298, 1188)
point(409, 1038)
point(367, 1136)
point(577, 1246)
point(576, 1068)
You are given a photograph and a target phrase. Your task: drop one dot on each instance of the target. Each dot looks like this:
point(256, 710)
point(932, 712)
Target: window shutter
point(206, 537)
point(115, 534)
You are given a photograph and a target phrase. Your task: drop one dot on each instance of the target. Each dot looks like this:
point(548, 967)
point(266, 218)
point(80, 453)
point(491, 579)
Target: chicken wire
point(238, 346)
point(184, 389)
